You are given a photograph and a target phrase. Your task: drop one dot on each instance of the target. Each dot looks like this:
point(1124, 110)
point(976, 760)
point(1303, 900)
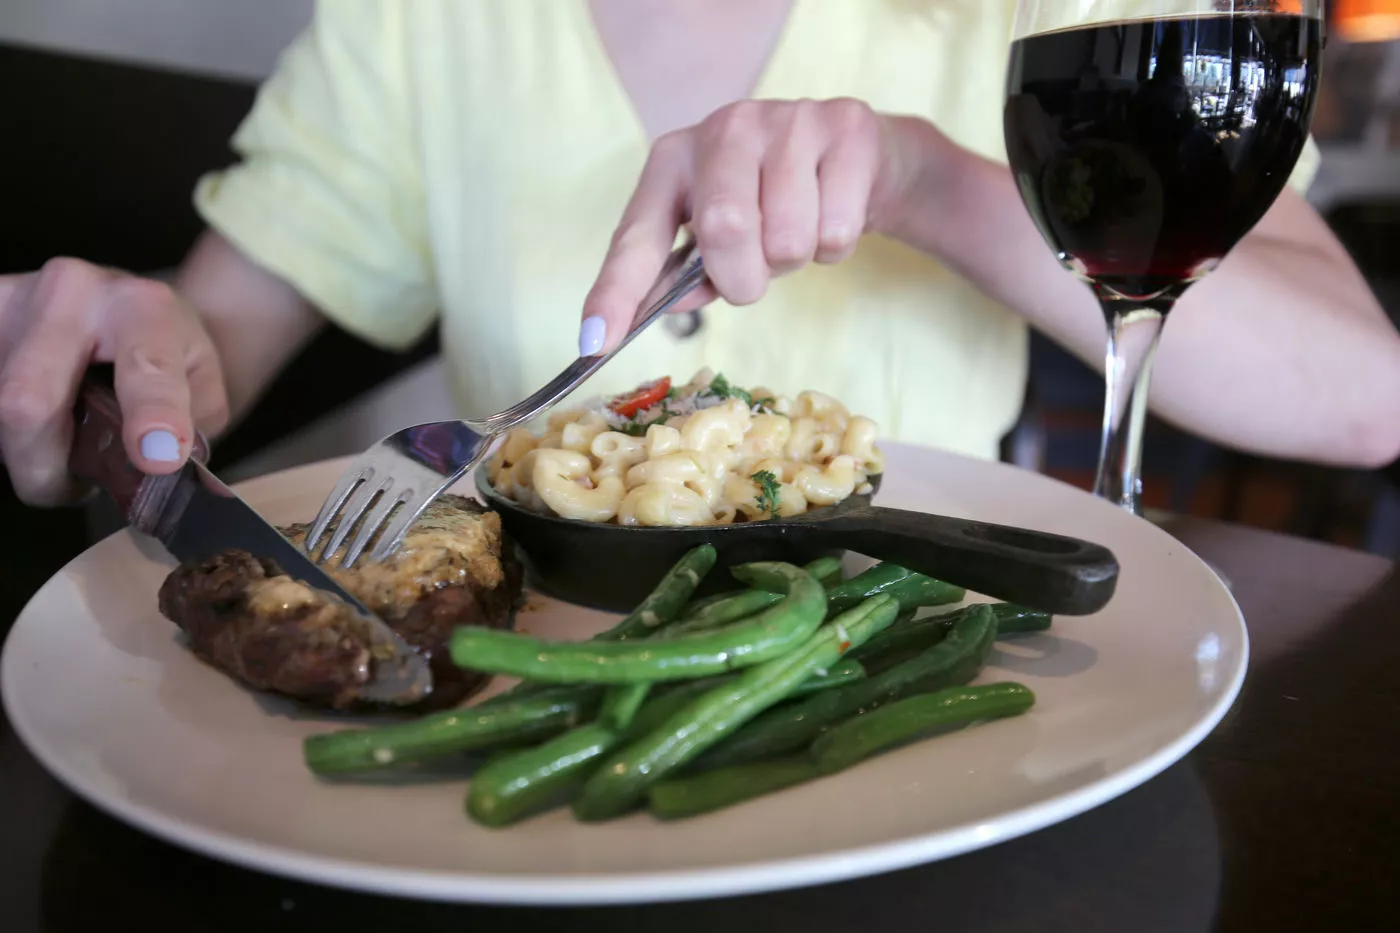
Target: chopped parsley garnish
point(721, 387)
point(767, 491)
point(673, 392)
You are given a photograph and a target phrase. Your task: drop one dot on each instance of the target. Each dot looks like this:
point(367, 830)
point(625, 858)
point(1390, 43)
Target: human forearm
point(1282, 351)
point(257, 321)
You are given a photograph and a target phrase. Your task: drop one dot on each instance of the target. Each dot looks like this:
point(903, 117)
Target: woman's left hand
point(766, 187)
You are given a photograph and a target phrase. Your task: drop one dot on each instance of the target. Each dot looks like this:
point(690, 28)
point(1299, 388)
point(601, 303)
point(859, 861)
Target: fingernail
point(835, 234)
point(591, 334)
point(160, 446)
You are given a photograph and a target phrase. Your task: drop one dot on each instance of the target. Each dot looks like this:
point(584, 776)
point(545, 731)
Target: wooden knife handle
point(99, 457)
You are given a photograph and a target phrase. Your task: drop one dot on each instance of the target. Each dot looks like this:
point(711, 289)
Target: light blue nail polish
point(160, 446)
point(591, 335)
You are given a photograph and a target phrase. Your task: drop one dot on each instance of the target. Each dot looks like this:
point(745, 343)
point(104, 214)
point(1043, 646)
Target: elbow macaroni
point(696, 458)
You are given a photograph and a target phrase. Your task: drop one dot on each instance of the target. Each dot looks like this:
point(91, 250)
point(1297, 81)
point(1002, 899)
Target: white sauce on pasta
point(708, 454)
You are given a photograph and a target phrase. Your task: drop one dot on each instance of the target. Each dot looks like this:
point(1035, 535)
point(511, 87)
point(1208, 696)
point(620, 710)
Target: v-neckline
point(768, 75)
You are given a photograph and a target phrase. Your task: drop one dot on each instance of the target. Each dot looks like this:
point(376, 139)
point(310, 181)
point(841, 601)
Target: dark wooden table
point(1286, 818)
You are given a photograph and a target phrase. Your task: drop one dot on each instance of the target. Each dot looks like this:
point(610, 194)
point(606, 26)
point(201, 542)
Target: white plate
point(100, 689)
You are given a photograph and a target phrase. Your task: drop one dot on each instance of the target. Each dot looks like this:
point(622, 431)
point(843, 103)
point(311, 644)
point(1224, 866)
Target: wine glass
point(1146, 138)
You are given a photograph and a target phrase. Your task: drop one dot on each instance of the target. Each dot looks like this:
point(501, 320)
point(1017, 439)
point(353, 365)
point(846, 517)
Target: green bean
point(663, 603)
point(510, 787)
point(450, 732)
point(721, 609)
point(713, 615)
point(827, 570)
point(774, 576)
point(899, 722)
point(911, 589)
point(1019, 620)
point(908, 636)
point(691, 795)
point(868, 582)
point(769, 634)
point(955, 660)
point(704, 602)
point(847, 671)
point(667, 599)
point(840, 674)
point(722, 612)
point(621, 702)
point(622, 780)
point(526, 688)
point(620, 705)
point(847, 744)
point(905, 638)
point(917, 591)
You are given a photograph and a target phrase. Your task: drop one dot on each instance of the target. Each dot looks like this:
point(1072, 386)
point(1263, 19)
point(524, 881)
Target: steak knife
point(195, 516)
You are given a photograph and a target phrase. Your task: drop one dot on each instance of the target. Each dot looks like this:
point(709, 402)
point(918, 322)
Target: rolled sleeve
point(327, 193)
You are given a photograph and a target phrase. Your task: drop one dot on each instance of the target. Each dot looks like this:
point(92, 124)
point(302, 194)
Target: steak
point(245, 617)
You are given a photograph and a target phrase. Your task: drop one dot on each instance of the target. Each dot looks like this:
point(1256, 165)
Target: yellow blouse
point(464, 162)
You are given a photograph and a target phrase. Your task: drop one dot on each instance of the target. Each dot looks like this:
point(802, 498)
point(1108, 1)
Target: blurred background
point(110, 111)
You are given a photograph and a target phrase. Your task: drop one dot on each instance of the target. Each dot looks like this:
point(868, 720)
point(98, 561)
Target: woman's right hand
point(57, 321)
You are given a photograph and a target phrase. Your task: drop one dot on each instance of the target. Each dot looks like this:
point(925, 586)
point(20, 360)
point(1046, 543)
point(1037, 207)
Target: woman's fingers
point(54, 324)
point(208, 396)
point(46, 320)
point(767, 187)
point(146, 335)
point(640, 245)
point(845, 178)
point(725, 212)
point(789, 198)
point(11, 322)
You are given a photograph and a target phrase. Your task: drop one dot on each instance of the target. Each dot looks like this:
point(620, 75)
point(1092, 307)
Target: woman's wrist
point(920, 165)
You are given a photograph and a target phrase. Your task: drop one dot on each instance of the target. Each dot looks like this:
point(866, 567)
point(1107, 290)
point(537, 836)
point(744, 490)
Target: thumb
point(151, 384)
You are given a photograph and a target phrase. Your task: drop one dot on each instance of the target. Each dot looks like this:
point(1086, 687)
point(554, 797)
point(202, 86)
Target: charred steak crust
point(305, 652)
point(244, 617)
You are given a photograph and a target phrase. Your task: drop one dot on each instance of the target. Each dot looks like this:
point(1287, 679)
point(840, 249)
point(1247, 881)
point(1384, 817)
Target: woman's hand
point(1283, 351)
point(69, 314)
point(766, 187)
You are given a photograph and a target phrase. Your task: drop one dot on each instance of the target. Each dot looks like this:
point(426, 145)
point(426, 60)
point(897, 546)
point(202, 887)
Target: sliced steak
point(243, 616)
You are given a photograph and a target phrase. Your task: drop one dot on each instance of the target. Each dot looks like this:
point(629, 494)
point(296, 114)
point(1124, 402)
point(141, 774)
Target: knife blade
point(195, 516)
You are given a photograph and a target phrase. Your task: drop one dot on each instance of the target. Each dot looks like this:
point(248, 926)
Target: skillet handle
point(1036, 569)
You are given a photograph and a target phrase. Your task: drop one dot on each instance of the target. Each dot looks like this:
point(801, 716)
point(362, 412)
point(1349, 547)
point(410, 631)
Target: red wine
point(1146, 149)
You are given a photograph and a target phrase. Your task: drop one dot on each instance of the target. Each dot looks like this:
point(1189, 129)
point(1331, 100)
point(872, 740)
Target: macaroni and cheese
point(704, 453)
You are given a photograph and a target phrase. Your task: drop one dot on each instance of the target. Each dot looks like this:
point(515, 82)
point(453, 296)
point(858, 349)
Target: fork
point(387, 487)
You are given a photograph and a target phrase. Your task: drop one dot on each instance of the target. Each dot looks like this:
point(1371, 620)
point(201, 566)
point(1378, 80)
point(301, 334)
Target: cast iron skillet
point(613, 567)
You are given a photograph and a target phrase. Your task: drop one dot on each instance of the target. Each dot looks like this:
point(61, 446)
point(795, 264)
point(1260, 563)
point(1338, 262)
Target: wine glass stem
point(1132, 344)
